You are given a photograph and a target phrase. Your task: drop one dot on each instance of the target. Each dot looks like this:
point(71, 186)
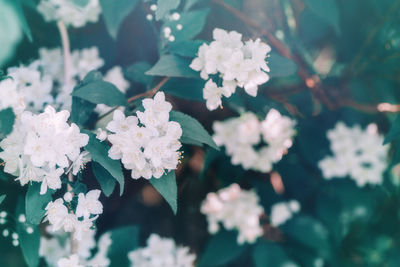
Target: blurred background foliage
point(350, 51)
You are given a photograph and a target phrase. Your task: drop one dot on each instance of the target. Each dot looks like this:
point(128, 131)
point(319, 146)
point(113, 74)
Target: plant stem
point(66, 51)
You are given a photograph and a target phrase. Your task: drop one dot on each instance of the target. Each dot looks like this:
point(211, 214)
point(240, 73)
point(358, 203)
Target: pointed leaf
point(166, 186)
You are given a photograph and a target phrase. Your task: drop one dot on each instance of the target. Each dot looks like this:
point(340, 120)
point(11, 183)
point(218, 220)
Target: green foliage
point(105, 179)
point(281, 66)
point(35, 203)
point(2, 197)
point(266, 253)
point(110, 10)
point(166, 186)
point(7, 118)
point(99, 153)
point(124, 240)
point(192, 131)
point(22, 19)
point(172, 66)
point(326, 10)
point(221, 249)
point(394, 132)
point(185, 48)
point(136, 72)
point(165, 6)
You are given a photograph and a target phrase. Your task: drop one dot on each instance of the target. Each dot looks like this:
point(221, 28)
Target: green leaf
point(29, 243)
point(192, 129)
point(115, 12)
point(99, 152)
point(186, 88)
point(81, 110)
point(22, 19)
point(172, 66)
point(124, 240)
point(192, 24)
point(268, 254)
point(11, 32)
point(221, 249)
point(105, 179)
point(310, 233)
point(281, 66)
point(165, 6)
point(185, 48)
point(136, 72)
point(2, 197)
point(166, 186)
point(35, 203)
point(394, 132)
point(101, 92)
point(7, 118)
point(326, 10)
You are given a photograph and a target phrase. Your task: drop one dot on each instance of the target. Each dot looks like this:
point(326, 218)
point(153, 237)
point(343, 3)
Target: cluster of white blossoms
point(234, 208)
point(237, 63)
point(79, 222)
point(283, 211)
point(243, 136)
point(149, 143)
point(356, 153)
point(161, 252)
point(70, 12)
point(57, 250)
point(42, 81)
point(41, 148)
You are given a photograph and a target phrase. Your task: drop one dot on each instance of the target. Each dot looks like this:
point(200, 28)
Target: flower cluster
point(283, 211)
point(78, 222)
point(235, 209)
point(161, 252)
point(70, 12)
point(237, 63)
point(42, 81)
point(150, 147)
point(356, 153)
point(41, 148)
point(56, 249)
point(242, 135)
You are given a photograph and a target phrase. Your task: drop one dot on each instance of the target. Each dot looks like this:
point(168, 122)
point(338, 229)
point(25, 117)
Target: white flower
point(10, 96)
point(86, 60)
point(116, 77)
point(56, 212)
point(71, 261)
point(237, 63)
point(283, 211)
point(101, 134)
point(69, 12)
point(356, 153)
point(89, 204)
point(242, 139)
point(161, 252)
point(234, 208)
point(148, 148)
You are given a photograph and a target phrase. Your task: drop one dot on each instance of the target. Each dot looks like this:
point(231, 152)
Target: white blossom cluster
point(150, 147)
point(234, 208)
point(283, 211)
point(57, 250)
point(79, 222)
point(243, 136)
point(71, 13)
point(357, 153)
point(237, 63)
point(161, 252)
point(41, 148)
point(42, 81)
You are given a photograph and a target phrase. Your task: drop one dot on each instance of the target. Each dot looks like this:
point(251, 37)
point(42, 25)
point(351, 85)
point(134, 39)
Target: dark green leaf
point(166, 186)
point(165, 6)
point(105, 179)
point(136, 73)
point(192, 24)
point(281, 66)
point(268, 254)
point(185, 48)
point(192, 129)
point(124, 240)
point(101, 92)
point(2, 197)
point(22, 19)
point(7, 118)
point(81, 110)
point(326, 10)
point(35, 203)
point(172, 66)
point(221, 249)
point(186, 88)
point(115, 12)
point(99, 153)
point(394, 132)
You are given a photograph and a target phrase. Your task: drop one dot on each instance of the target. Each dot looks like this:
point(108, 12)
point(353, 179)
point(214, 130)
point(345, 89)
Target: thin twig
point(151, 92)
point(66, 51)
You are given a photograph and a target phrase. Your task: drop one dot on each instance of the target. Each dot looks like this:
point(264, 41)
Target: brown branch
point(312, 82)
point(150, 93)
